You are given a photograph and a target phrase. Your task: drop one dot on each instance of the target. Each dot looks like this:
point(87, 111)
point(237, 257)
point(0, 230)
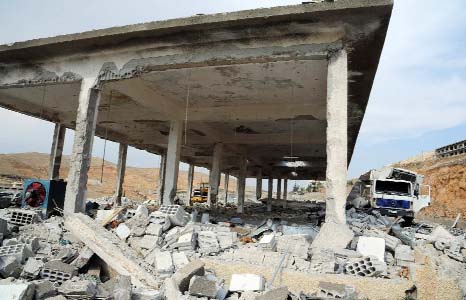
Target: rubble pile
point(149, 253)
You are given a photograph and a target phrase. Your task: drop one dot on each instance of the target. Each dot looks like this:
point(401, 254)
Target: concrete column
point(279, 189)
point(285, 192)
point(269, 194)
point(227, 179)
point(162, 167)
point(121, 167)
point(335, 234)
point(56, 151)
point(241, 184)
point(173, 161)
point(76, 189)
point(214, 175)
point(190, 182)
point(259, 184)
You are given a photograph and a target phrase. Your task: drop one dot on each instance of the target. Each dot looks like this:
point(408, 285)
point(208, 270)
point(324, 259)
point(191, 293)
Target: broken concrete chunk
point(20, 251)
point(203, 286)
point(322, 261)
point(154, 229)
point(246, 282)
point(122, 290)
point(123, 231)
point(183, 276)
point(10, 267)
point(164, 263)
point(170, 289)
point(44, 289)
point(275, 294)
point(78, 288)
point(83, 258)
point(16, 291)
point(32, 268)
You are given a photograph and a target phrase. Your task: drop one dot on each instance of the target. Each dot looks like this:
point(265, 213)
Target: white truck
point(392, 191)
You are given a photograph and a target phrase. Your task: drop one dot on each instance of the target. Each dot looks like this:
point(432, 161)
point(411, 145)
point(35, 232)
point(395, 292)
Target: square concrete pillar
point(259, 184)
point(190, 182)
point(279, 189)
point(173, 161)
point(76, 189)
point(227, 179)
point(120, 176)
point(56, 151)
point(162, 166)
point(335, 234)
point(285, 192)
point(241, 184)
point(214, 175)
point(270, 194)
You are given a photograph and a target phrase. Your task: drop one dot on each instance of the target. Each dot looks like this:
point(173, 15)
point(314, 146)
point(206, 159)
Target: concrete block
point(123, 231)
point(148, 242)
point(57, 271)
point(22, 217)
point(369, 266)
point(322, 261)
point(331, 290)
point(20, 251)
point(154, 229)
point(176, 214)
point(31, 269)
point(164, 263)
point(371, 246)
point(267, 242)
point(203, 286)
point(17, 291)
point(246, 282)
point(186, 241)
point(179, 260)
point(183, 276)
point(391, 242)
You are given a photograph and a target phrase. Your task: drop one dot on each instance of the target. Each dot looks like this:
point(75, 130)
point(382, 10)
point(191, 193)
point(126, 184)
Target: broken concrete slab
point(340, 233)
point(31, 269)
point(122, 290)
point(110, 249)
point(10, 267)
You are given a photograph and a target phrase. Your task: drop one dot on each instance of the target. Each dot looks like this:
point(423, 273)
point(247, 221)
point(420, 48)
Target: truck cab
point(392, 191)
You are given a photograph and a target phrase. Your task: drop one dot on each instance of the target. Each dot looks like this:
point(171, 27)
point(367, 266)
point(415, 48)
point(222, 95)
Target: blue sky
point(418, 101)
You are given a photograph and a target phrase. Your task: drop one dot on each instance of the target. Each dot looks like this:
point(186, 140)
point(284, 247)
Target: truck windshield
point(393, 187)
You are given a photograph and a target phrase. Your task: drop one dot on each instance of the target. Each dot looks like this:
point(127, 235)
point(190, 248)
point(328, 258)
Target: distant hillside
point(447, 177)
point(140, 183)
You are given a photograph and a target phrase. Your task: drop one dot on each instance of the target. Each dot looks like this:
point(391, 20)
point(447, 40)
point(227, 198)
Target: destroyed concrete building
point(273, 93)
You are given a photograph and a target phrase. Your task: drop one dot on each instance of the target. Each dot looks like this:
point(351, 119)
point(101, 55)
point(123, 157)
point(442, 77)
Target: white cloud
point(421, 84)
